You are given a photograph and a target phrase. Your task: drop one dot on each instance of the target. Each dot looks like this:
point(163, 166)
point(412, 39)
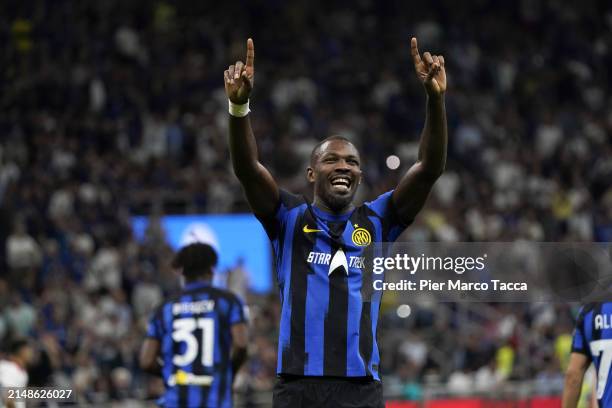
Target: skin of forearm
point(242, 146)
point(155, 368)
point(432, 148)
point(571, 390)
point(238, 358)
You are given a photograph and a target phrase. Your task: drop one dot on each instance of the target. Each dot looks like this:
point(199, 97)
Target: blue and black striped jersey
point(593, 338)
point(329, 310)
point(194, 330)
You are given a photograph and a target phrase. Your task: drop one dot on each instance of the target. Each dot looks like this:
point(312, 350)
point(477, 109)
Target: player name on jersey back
point(195, 307)
point(603, 321)
point(193, 329)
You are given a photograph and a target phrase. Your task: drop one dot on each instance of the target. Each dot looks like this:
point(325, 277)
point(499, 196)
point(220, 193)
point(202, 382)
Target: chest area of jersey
point(351, 236)
point(328, 262)
point(335, 246)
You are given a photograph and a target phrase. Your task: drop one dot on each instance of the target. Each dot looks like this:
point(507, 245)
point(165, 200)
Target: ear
point(310, 175)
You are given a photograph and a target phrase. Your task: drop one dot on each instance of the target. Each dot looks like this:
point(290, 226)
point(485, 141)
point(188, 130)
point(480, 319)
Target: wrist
point(435, 97)
point(238, 110)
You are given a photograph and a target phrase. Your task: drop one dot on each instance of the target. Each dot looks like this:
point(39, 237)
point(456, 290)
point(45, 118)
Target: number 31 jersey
point(194, 330)
point(593, 338)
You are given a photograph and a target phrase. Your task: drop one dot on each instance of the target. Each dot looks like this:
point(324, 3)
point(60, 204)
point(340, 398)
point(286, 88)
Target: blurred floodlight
point(403, 311)
point(393, 162)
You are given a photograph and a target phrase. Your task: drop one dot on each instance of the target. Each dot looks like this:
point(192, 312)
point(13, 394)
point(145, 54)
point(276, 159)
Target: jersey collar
point(324, 215)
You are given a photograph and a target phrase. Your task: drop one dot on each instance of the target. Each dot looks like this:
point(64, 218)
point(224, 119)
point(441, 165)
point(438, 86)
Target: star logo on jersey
point(309, 230)
point(361, 236)
point(338, 261)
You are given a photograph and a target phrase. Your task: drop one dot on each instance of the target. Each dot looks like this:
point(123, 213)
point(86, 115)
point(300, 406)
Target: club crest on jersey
point(361, 236)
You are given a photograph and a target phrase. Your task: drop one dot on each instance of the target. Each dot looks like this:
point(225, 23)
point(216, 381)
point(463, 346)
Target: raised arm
point(259, 185)
point(414, 187)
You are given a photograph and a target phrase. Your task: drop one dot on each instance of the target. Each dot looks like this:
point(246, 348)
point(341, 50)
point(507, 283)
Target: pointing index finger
point(250, 53)
point(414, 50)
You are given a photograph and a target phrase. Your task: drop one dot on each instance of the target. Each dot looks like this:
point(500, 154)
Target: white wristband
point(239, 111)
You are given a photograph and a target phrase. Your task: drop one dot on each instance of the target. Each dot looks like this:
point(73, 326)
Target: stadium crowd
point(115, 108)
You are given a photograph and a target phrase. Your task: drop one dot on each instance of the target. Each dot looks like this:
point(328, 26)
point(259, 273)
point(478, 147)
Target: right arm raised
point(260, 188)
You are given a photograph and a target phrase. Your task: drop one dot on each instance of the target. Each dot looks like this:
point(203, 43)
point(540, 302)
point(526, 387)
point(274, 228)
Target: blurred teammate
point(14, 369)
point(592, 343)
point(327, 351)
point(200, 335)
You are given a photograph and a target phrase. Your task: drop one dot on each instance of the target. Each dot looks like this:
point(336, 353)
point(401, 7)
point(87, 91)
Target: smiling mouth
point(341, 184)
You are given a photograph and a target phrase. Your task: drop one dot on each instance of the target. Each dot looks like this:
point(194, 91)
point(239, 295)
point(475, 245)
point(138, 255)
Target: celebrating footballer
point(327, 349)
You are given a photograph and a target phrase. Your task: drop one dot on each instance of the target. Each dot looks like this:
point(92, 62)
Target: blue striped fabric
point(194, 330)
point(328, 318)
point(593, 338)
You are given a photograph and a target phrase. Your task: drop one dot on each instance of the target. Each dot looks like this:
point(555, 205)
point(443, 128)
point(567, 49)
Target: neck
point(322, 205)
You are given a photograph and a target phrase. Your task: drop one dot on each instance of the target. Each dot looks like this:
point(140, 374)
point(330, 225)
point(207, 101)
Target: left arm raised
point(414, 187)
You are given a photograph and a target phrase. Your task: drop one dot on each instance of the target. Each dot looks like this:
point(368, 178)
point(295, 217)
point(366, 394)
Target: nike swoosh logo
point(307, 230)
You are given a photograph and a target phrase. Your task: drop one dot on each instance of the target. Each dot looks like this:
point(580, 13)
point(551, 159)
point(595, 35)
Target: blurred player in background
point(592, 343)
point(14, 369)
point(200, 335)
point(327, 353)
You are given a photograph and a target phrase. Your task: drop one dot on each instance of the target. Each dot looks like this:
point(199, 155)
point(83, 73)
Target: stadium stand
point(114, 108)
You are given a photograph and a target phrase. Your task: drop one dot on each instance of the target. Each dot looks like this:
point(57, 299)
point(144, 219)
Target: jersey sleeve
point(155, 326)
point(239, 312)
point(384, 208)
point(274, 224)
point(579, 343)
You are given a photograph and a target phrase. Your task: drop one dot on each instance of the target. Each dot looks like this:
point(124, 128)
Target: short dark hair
point(196, 260)
point(316, 151)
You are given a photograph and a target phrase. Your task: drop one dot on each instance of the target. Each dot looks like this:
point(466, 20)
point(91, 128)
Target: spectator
point(22, 250)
